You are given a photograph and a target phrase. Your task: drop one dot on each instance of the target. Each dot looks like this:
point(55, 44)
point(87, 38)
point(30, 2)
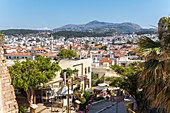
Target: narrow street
point(112, 109)
point(98, 106)
point(121, 107)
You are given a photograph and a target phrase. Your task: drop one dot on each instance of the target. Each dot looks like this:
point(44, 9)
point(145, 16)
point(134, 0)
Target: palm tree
point(129, 82)
point(155, 74)
point(86, 45)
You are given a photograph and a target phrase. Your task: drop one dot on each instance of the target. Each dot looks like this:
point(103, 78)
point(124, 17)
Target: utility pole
point(117, 100)
point(68, 100)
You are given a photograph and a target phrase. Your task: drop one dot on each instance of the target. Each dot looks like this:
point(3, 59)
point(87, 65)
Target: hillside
point(97, 26)
point(69, 34)
point(18, 31)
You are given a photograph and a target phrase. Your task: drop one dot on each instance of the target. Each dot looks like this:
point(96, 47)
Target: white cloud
point(44, 28)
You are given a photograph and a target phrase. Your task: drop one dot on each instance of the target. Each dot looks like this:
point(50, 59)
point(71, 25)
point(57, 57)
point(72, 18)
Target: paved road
point(121, 107)
point(96, 107)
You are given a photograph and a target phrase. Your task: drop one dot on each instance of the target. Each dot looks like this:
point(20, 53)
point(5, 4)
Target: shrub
point(93, 83)
point(109, 78)
point(23, 109)
point(99, 98)
point(82, 99)
point(100, 80)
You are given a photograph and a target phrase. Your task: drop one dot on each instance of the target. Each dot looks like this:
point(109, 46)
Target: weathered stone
point(8, 103)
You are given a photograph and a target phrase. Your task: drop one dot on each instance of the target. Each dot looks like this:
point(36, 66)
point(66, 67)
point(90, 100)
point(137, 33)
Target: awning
point(64, 91)
point(103, 84)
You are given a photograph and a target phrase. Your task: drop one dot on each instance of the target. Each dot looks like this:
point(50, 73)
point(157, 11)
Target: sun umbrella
point(99, 88)
point(89, 90)
point(103, 84)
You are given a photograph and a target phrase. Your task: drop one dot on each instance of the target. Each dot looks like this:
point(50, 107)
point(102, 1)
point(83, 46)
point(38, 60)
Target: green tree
point(113, 41)
point(129, 82)
point(117, 82)
point(131, 53)
point(1, 39)
point(109, 78)
point(97, 44)
point(69, 72)
point(66, 53)
point(86, 45)
point(85, 100)
point(104, 48)
point(94, 78)
point(93, 83)
point(28, 74)
point(5, 52)
point(99, 80)
point(156, 66)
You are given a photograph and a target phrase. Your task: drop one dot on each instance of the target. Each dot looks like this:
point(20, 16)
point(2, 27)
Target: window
point(88, 69)
point(85, 70)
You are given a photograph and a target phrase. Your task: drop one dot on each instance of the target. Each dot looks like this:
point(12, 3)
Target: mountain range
point(97, 26)
point(102, 28)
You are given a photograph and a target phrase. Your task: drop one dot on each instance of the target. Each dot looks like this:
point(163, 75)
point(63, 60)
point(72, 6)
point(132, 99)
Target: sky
point(50, 14)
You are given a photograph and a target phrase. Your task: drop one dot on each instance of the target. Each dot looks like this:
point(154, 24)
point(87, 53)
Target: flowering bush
point(23, 109)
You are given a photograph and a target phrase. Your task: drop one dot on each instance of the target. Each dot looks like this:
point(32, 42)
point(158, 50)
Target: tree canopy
point(129, 82)
point(19, 31)
point(66, 53)
point(29, 74)
point(70, 34)
point(104, 48)
point(69, 72)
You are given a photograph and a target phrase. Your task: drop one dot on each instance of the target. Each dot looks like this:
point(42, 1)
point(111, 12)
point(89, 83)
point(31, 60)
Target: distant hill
point(146, 32)
point(69, 34)
point(18, 31)
point(97, 26)
point(93, 28)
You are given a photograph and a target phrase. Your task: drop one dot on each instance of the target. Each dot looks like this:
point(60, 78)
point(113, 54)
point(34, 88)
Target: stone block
point(7, 98)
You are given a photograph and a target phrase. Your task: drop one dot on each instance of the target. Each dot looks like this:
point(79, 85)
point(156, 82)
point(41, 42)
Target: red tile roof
point(100, 50)
point(18, 54)
point(105, 59)
point(117, 56)
point(99, 46)
point(116, 51)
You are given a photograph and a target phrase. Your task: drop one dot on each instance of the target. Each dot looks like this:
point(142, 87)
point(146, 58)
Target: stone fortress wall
point(8, 103)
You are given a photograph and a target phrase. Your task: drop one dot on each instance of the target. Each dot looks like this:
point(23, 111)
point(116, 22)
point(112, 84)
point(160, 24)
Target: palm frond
point(158, 83)
point(147, 43)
